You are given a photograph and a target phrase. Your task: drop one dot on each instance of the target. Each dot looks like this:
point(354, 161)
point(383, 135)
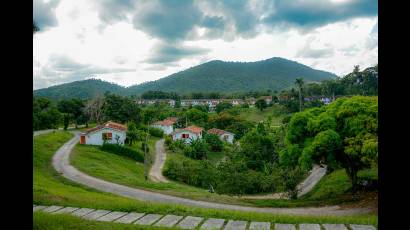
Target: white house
point(114, 133)
point(223, 135)
point(165, 125)
point(187, 134)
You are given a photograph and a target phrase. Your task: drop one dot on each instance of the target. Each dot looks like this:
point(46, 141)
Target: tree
point(93, 109)
point(299, 83)
point(261, 104)
point(214, 142)
point(121, 109)
point(74, 107)
point(35, 27)
point(222, 106)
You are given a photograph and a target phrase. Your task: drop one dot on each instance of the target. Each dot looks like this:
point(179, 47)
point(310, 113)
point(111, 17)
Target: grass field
point(255, 115)
point(49, 188)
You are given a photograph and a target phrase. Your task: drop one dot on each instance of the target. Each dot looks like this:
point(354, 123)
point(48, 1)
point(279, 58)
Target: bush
point(124, 151)
point(198, 149)
point(143, 147)
point(214, 142)
point(168, 141)
point(156, 132)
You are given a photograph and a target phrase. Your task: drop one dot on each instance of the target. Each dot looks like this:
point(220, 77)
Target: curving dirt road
point(155, 173)
point(61, 163)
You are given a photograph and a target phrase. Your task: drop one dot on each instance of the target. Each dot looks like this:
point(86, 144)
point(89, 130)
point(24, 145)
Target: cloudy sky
point(132, 41)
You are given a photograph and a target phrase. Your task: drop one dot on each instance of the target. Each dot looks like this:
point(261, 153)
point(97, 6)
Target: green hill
point(79, 89)
point(219, 76)
point(214, 76)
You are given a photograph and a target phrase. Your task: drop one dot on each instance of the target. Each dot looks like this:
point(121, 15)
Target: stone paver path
point(213, 223)
point(259, 226)
point(188, 222)
point(285, 227)
point(148, 219)
point(309, 227)
point(236, 225)
point(168, 221)
point(334, 227)
point(130, 217)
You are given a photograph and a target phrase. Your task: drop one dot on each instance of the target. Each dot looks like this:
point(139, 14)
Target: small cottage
point(223, 135)
point(187, 134)
point(166, 125)
point(113, 133)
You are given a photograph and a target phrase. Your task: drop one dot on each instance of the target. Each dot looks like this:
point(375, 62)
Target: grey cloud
point(310, 14)
point(61, 69)
point(43, 13)
point(111, 11)
point(166, 53)
point(308, 52)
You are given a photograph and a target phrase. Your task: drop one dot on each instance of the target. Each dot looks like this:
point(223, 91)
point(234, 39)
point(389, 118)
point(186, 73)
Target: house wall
point(192, 136)
point(229, 139)
point(167, 129)
point(95, 138)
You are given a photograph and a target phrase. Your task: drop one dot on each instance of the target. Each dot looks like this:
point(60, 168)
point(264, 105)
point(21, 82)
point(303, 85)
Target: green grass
point(255, 115)
point(50, 188)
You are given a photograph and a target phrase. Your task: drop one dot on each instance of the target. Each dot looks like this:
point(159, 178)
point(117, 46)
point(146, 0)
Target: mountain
point(214, 76)
point(219, 76)
point(79, 89)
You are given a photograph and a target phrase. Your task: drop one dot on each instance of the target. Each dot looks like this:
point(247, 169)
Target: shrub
point(214, 142)
point(196, 150)
point(168, 140)
point(124, 151)
point(143, 147)
point(156, 132)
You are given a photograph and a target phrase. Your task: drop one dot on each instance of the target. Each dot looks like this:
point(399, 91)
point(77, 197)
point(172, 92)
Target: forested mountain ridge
point(214, 76)
point(219, 76)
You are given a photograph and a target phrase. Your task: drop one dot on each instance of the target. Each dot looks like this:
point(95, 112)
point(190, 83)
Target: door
point(82, 140)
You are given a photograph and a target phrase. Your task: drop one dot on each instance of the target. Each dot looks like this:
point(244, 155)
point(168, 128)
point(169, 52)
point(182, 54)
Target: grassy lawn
point(49, 188)
point(255, 115)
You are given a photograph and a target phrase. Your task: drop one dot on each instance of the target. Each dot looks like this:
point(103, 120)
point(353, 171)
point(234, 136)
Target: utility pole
point(146, 155)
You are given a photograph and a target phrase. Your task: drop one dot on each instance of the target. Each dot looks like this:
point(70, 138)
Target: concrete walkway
point(185, 222)
point(62, 165)
point(155, 173)
point(314, 177)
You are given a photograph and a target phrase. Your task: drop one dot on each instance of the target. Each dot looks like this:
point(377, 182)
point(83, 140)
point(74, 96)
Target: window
point(226, 137)
point(107, 136)
point(185, 135)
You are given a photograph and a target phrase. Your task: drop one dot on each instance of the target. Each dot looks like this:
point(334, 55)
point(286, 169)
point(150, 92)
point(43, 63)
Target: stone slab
point(285, 227)
point(259, 226)
point(96, 214)
point(39, 207)
point(112, 216)
point(236, 225)
point(52, 208)
point(213, 224)
point(148, 219)
point(82, 211)
point(168, 221)
point(334, 227)
point(190, 222)
point(129, 218)
point(362, 227)
point(65, 210)
point(309, 227)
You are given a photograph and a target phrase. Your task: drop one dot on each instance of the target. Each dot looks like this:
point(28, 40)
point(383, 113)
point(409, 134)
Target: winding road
point(155, 173)
point(61, 163)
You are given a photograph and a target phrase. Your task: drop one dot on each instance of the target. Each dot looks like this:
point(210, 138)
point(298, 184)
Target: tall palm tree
point(299, 83)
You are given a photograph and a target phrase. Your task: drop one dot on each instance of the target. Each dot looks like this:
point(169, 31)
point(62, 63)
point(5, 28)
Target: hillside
point(79, 89)
point(218, 76)
point(214, 76)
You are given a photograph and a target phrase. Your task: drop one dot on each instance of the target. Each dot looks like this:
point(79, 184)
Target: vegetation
point(45, 114)
point(261, 104)
point(343, 134)
point(134, 154)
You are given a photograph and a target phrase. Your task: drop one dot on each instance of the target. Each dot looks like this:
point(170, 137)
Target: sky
point(128, 42)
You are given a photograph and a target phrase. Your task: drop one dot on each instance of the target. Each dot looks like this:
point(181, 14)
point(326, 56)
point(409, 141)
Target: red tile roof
point(109, 124)
point(165, 122)
point(217, 131)
point(194, 129)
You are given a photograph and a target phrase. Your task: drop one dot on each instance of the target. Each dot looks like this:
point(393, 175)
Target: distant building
point(223, 135)
point(268, 99)
point(187, 134)
point(165, 125)
point(113, 133)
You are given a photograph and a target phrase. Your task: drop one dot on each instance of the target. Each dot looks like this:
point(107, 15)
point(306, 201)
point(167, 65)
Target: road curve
point(40, 132)
point(61, 163)
point(155, 173)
